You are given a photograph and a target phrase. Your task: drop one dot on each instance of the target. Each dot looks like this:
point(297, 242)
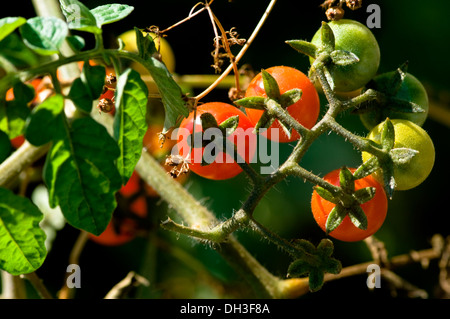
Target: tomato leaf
point(93, 78)
point(145, 44)
point(22, 241)
point(14, 51)
point(110, 13)
point(12, 117)
point(81, 174)
point(44, 35)
point(79, 17)
point(80, 96)
point(304, 47)
point(130, 120)
point(41, 127)
point(171, 93)
point(5, 146)
point(9, 24)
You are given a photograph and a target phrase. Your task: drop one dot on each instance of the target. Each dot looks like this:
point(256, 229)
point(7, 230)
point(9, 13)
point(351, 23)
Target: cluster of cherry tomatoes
point(348, 81)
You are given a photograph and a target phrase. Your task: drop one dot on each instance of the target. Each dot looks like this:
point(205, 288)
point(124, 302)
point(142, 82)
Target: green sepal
point(396, 80)
point(388, 178)
point(368, 167)
point(252, 102)
point(346, 180)
point(387, 135)
point(326, 194)
point(402, 155)
point(304, 47)
point(358, 217)
point(290, 97)
point(363, 195)
point(270, 85)
point(328, 40)
point(208, 121)
point(230, 124)
point(314, 261)
point(335, 218)
point(343, 58)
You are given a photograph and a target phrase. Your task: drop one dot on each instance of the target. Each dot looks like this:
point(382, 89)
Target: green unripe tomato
point(410, 90)
point(354, 37)
point(407, 135)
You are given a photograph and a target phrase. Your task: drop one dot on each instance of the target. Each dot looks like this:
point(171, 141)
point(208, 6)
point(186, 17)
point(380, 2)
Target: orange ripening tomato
point(375, 209)
point(123, 229)
point(222, 165)
point(305, 111)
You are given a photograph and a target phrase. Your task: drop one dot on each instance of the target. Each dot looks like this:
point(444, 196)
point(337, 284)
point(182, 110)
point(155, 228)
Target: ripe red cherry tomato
point(305, 111)
point(375, 209)
point(122, 229)
point(223, 165)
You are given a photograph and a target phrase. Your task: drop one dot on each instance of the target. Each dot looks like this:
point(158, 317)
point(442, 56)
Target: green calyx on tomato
point(354, 212)
point(206, 141)
point(400, 95)
point(283, 99)
point(409, 150)
point(348, 49)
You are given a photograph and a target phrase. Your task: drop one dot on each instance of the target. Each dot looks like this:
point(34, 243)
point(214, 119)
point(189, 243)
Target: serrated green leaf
point(12, 117)
point(110, 13)
point(304, 47)
point(81, 175)
point(9, 24)
point(171, 93)
point(14, 51)
point(343, 58)
point(76, 42)
point(145, 44)
point(335, 218)
point(358, 217)
point(41, 127)
point(5, 146)
point(22, 241)
point(93, 78)
point(79, 17)
point(44, 35)
point(80, 96)
point(130, 120)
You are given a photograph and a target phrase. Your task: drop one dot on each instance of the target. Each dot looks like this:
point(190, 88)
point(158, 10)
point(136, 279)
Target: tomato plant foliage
point(85, 164)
